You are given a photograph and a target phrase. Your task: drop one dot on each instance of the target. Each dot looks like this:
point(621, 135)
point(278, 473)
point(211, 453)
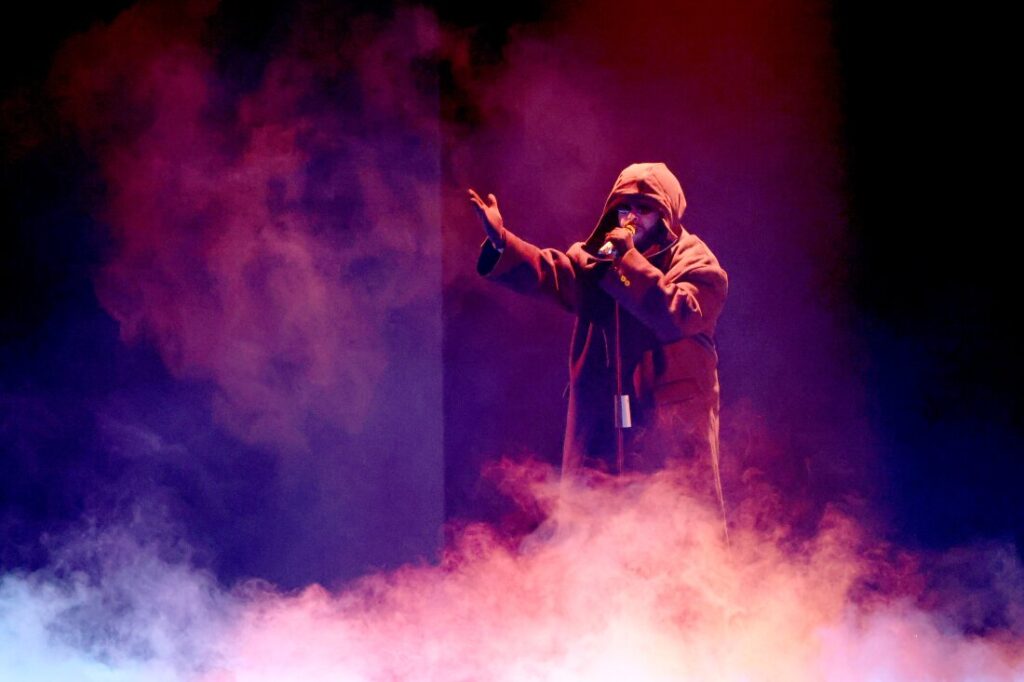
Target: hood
point(654, 180)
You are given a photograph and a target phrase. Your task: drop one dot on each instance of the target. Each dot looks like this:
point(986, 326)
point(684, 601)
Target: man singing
point(646, 295)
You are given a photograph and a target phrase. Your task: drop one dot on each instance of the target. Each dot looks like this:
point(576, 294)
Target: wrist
point(498, 239)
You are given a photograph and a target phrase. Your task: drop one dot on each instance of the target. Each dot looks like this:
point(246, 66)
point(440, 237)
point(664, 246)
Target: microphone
point(608, 249)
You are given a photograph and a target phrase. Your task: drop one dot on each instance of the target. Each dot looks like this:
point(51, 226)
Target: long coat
point(670, 298)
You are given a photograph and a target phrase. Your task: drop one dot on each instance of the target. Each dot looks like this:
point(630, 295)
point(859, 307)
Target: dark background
point(927, 120)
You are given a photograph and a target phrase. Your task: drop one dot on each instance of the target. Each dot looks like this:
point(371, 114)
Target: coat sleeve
point(525, 268)
point(684, 301)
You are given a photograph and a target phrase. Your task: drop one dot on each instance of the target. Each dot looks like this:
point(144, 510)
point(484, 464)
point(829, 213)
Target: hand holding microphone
point(619, 241)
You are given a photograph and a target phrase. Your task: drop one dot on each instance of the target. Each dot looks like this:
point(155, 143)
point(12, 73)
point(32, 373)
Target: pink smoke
point(248, 265)
point(625, 580)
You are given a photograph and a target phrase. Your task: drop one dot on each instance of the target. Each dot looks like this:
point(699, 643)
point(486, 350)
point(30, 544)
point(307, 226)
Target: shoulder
point(691, 257)
point(691, 250)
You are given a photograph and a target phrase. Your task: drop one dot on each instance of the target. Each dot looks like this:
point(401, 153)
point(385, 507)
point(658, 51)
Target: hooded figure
point(670, 293)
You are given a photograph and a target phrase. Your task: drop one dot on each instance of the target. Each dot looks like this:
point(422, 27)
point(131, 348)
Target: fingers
point(475, 198)
point(477, 202)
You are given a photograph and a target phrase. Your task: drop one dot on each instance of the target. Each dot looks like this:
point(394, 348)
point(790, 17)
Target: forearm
point(527, 269)
point(671, 307)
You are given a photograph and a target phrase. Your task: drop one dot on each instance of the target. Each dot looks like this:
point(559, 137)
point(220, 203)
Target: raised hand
point(490, 216)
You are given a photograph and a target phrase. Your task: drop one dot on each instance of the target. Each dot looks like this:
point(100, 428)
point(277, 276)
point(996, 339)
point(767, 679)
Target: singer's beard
point(644, 238)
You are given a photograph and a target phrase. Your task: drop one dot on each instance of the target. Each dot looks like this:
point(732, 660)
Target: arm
point(684, 301)
point(518, 264)
point(523, 267)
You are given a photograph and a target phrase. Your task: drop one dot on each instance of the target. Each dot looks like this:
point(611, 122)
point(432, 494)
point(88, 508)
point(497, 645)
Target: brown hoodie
point(670, 298)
